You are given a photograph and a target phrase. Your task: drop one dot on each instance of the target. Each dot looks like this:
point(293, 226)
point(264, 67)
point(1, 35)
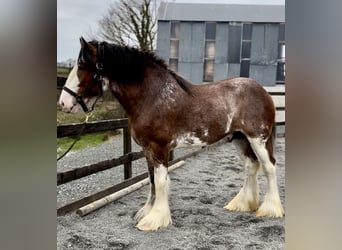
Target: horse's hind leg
point(248, 197)
point(271, 205)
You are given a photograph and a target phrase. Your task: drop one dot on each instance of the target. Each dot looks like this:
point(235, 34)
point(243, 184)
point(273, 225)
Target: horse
point(165, 111)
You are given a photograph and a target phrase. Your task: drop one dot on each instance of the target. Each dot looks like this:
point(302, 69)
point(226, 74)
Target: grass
point(87, 140)
point(63, 71)
point(104, 110)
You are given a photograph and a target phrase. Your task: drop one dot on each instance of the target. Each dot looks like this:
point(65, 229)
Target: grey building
point(214, 41)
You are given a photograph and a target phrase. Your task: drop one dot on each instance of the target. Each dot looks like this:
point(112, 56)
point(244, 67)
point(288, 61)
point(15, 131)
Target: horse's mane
point(130, 63)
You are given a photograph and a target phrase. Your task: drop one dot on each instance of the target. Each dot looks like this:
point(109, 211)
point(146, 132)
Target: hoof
point(145, 228)
point(142, 212)
point(154, 220)
point(240, 203)
point(270, 209)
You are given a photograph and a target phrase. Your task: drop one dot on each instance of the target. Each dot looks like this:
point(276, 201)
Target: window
point(246, 49)
point(210, 31)
point(210, 49)
point(282, 32)
point(234, 42)
point(280, 78)
point(244, 68)
point(209, 53)
point(173, 64)
point(174, 46)
point(175, 30)
point(247, 32)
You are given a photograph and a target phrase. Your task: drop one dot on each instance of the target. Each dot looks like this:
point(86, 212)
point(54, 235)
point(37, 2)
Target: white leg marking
point(271, 205)
point(159, 215)
point(248, 197)
point(147, 207)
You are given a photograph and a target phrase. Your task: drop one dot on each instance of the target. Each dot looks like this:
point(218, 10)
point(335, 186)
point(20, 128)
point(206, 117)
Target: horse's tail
point(274, 135)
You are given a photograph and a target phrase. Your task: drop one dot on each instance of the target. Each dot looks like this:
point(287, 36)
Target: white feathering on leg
point(271, 206)
point(160, 215)
point(146, 208)
point(248, 197)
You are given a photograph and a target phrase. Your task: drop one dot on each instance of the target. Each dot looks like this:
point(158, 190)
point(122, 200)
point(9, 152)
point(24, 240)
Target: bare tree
point(130, 22)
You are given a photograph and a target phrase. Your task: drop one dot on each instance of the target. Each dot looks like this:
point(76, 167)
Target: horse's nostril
point(62, 103)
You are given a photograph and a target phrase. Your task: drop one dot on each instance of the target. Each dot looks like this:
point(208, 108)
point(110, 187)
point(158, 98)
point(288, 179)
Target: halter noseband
point(97, 80)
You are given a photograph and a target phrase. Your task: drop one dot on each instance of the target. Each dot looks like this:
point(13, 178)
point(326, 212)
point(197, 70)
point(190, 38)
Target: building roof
point(222, 12)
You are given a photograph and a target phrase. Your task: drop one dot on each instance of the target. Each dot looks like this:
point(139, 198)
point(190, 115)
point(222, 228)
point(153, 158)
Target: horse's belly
point(188, 139)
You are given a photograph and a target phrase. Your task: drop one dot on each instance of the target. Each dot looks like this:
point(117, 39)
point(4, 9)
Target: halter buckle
point(99, 66)
point(98, 77)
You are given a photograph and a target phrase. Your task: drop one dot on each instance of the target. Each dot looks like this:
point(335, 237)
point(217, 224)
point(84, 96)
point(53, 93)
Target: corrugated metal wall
point(259, 64)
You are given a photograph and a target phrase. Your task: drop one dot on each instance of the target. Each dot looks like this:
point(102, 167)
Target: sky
point(78, 18)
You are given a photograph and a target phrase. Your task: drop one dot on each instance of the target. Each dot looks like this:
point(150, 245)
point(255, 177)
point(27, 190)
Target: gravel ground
point(198, 192)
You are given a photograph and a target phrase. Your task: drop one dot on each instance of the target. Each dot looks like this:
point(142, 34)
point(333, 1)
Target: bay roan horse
point(164, 110)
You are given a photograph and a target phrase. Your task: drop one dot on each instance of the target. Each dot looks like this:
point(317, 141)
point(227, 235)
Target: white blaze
point(66, 100)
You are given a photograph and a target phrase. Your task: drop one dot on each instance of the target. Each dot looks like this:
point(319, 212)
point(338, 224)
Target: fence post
point(127, 145)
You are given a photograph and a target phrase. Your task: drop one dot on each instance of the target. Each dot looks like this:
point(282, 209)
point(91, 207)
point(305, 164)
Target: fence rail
point(91, 127)
point(74, 174)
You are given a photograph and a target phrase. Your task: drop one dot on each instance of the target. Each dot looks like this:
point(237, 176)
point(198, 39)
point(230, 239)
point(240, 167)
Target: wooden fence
point(278, 94)
point(126, 160)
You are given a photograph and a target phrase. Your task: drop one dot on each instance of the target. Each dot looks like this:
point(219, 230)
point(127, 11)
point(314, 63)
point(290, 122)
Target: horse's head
point(85, 81)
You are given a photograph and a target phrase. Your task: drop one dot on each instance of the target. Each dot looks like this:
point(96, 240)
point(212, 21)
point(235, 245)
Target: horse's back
point(239, 92)
point(243, 85)
point(243, 103)
point(227, 106)
point(246, 92)
point(254, 107)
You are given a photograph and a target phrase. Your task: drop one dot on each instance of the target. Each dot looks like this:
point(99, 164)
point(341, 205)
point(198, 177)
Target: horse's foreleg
point(149, 203)
point(159, 214)
point(271, 205)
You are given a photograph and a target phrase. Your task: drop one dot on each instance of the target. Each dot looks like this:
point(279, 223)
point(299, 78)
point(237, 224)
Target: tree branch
point(130, 22)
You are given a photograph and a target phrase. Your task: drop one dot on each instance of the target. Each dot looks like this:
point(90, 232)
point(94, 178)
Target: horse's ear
point(83, 42)
point(87, 46)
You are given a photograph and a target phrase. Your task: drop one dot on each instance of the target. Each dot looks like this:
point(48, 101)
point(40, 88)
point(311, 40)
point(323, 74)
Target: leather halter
point(98, 78)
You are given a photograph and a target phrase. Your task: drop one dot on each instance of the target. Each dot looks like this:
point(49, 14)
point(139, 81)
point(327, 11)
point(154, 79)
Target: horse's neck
point(135, 98)
point(127, 95)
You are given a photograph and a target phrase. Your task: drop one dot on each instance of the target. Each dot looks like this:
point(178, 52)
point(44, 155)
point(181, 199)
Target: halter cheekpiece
point(98, 78)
